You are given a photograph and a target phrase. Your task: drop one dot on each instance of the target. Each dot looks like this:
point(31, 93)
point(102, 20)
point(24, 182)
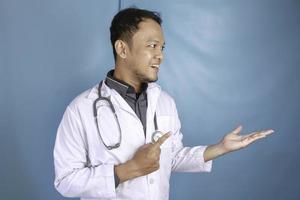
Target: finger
point(237, 130)
point(258, 134)
point(248, 139)
point(252, 139)
point(268, 132)
point(161, 140)
point(249, 135)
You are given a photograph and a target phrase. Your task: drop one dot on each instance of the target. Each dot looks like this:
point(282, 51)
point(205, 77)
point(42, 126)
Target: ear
point(120, 47)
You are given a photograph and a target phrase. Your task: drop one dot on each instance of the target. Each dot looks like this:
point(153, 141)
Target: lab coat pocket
point(164, 124)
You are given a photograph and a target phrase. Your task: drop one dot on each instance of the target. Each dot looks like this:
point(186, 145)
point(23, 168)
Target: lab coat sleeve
point(186, 159)
point(73, 175)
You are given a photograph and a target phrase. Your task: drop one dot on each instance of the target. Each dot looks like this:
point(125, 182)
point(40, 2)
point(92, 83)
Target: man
point(99, 155)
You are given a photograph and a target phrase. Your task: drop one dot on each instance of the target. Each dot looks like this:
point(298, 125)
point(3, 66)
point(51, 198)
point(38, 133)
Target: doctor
point(121, 139)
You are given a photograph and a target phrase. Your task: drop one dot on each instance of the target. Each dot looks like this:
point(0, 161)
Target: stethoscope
point(155, 135)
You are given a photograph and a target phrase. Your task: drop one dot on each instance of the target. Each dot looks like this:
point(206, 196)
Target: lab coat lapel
point(153, 93)
point(117, 100)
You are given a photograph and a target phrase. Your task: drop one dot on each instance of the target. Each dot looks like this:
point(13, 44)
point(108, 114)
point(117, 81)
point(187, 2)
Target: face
point(146, 52)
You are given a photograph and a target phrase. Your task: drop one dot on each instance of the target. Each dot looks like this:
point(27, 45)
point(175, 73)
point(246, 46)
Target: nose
point(159, 55)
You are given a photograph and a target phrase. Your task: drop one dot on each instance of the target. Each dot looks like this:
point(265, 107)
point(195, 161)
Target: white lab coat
point(84, 167)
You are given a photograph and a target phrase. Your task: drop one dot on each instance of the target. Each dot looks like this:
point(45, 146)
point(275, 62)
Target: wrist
point(221, 149)
point(127, 171)
point(214, 151)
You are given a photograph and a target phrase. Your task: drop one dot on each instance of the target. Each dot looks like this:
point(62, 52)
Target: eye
point(152, 45)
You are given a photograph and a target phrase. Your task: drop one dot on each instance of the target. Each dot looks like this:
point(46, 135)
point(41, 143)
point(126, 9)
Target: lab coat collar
point(153, 92)
point(122, 87)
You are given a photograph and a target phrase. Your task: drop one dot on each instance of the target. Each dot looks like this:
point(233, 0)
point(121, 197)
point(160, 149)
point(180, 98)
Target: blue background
point(226, 63)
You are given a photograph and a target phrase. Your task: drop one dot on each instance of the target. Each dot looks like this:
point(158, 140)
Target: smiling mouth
point(155, 67)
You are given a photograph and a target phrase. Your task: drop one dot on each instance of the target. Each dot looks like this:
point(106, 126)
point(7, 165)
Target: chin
point(151, 80)
point(147, 78)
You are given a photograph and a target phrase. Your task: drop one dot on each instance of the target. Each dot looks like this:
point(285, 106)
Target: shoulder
point(165, 104)
point(86, 98)
point(166, 98)
point(163, 95)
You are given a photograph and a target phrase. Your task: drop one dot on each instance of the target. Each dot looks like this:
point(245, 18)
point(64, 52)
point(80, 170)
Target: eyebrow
point(154, 40)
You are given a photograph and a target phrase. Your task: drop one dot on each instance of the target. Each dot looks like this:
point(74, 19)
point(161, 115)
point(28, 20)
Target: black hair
point(125, 24)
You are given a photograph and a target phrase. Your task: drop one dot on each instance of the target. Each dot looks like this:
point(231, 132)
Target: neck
point(122, 74)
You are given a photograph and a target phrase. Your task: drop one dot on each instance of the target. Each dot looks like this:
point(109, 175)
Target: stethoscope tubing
point(156, 134)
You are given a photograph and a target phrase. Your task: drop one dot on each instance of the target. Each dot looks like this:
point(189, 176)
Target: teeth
point(156, 66)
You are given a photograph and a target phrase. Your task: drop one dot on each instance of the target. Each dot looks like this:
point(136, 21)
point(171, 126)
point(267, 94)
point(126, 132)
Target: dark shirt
point(137, 101)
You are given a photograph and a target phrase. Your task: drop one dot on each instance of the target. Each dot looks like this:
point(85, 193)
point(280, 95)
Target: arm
point(197, 159)
point(186, 159)
point(233, 141)
point(74, 176)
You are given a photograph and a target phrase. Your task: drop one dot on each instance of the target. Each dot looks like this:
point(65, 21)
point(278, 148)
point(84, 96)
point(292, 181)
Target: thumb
point(237, 130)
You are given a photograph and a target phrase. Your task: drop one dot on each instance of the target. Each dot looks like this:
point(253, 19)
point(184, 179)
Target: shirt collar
point(124, 89)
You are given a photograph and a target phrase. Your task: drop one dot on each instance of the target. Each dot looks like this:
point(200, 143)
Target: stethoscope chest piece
point(156, 135)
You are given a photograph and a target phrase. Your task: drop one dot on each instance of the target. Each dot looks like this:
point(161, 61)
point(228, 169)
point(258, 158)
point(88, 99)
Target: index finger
point(162, 139)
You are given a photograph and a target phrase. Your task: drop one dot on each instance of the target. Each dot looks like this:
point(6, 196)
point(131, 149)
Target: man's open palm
point(234, 141)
